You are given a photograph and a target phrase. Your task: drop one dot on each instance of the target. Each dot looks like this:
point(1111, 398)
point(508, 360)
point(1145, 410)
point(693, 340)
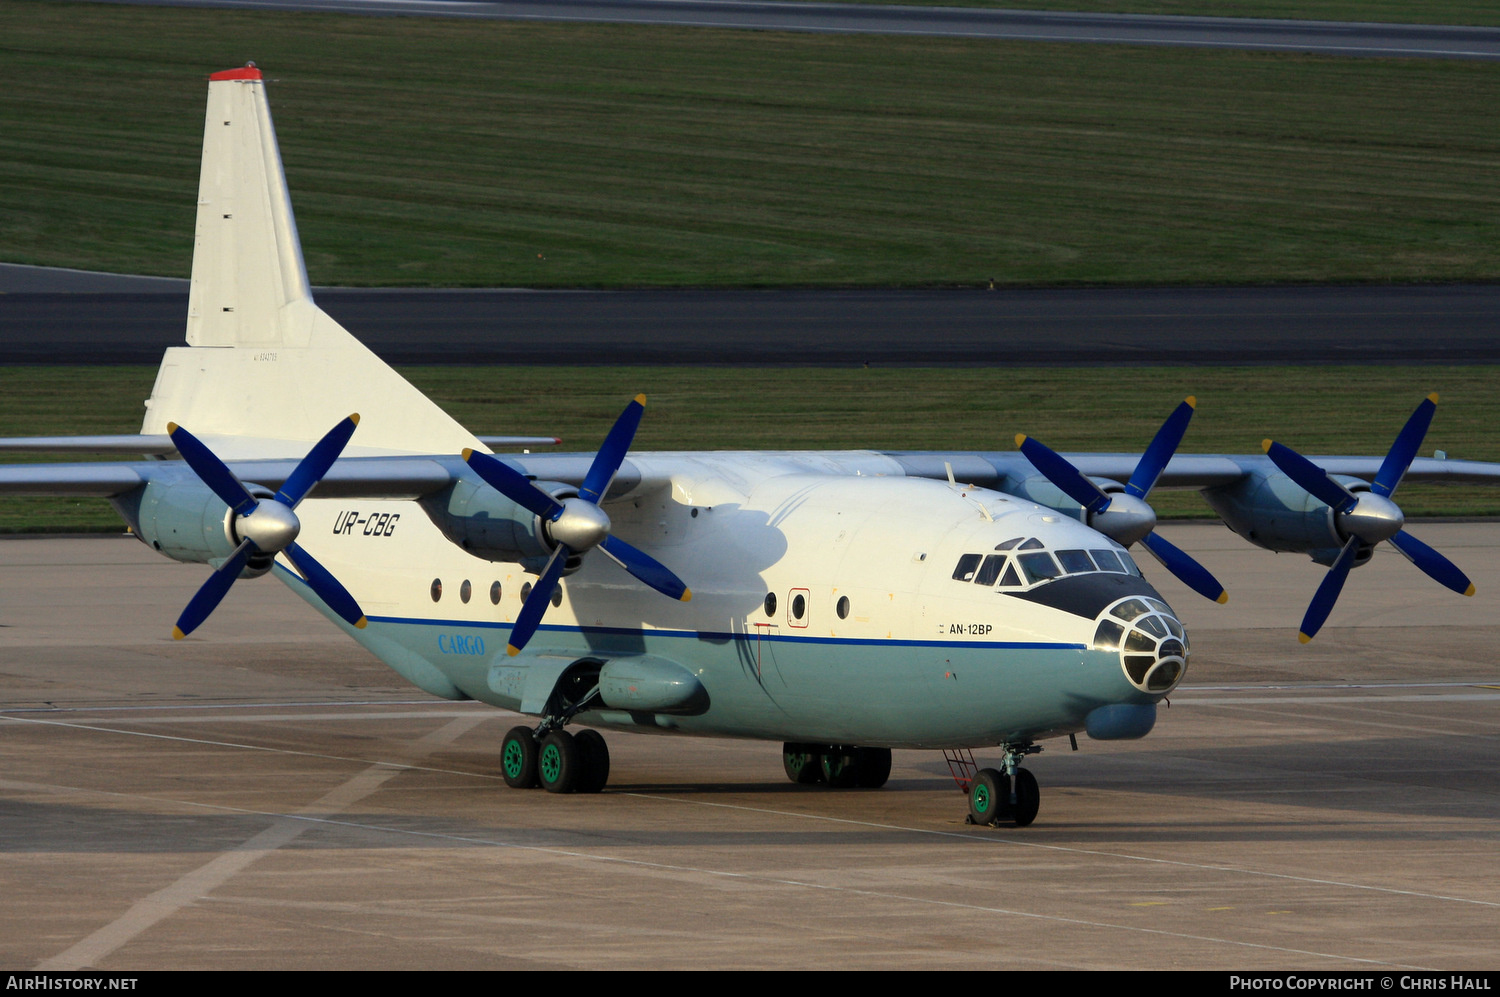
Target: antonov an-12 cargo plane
point(843, 603)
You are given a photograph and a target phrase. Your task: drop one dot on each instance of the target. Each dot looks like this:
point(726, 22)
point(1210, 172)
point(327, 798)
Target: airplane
point(843, 603)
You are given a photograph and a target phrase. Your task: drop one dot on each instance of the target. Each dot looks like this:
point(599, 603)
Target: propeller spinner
point(1367, 518)
point(577, 525)
point(1125, 517)
point(265, 526)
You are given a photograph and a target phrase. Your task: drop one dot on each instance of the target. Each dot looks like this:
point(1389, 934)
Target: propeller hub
point(1374, 518)
point(580, 524)
point(271, 526)
point(1125, 520)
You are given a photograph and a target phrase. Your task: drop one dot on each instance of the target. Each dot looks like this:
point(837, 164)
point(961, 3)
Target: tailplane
point(264, 365)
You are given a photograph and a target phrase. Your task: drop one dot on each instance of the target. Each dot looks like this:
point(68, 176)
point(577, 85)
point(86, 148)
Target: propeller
point(1367, 518)
point(577, 525)
point(265, 526)
point(1125, 517)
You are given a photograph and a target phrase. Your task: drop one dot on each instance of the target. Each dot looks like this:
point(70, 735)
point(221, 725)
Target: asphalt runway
point(65, 317)
point(1324, 37)
point(265, 795)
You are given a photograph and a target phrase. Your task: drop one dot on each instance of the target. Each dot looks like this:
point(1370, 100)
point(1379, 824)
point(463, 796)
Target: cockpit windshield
point(1029, 562)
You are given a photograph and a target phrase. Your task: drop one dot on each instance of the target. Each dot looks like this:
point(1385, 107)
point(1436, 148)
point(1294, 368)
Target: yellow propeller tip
point(172, 427)
point(361, 623)
point(687, 595)
point(1223, 598)
point(1020, 438)
point(354, 418)
point(1304, 638)
point(1192, 401)
point(468, 452)
point(1433, 398)
point(640, 399)
point(512, 650)
point(1470, 589)
point(177, 633)
point(1266, 445)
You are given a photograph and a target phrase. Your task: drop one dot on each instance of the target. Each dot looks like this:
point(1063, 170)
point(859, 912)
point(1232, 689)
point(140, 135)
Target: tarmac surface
point(266, 795)
point(68, 316)
point(1341, 38)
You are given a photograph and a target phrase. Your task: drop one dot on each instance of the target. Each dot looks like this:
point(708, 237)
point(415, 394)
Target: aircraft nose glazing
point(1151, 642)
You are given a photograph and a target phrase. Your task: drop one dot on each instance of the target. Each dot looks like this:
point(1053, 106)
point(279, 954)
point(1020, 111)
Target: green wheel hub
point(550, 763)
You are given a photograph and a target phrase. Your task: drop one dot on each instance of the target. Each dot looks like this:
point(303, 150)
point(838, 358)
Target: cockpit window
point(1032, 544)
point(1107, 561)
point(1074, 561)
point(1008, 544)
point(989, 571)
point(966, 565)
point(1038, 567)
point(1010, 579)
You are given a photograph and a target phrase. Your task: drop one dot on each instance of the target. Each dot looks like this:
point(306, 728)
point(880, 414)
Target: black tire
point(989, 797)
point(557, 764)
point(874, 767)
point(1028, 798)
point(518, 758)
point(593, 759)
point(840, 766)
point(803, 763)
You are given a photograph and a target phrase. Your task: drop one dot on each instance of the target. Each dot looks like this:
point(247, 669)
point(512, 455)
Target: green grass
point(452, 152)
point(1354, 410)
point(1481, 12)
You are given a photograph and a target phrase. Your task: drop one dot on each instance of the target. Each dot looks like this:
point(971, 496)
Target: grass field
point(1355, 410)
point(1398, 11)
point(467, 153)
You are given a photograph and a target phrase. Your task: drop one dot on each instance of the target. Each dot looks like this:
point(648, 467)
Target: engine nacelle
point(182, 518)
point(1274, 512)
point(485, 523)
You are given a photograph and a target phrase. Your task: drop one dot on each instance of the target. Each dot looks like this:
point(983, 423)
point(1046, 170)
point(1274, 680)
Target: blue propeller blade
point(1160, 452)
point(512, 484)
point(536, 603)
point(1436, 566)
point(319, 459)
point(1310, 476)
point(1192, 574)
point(212, 591)
point(1056, 469)
point(211, 470)
point(1408, 441)
point(612, 453)
point(1328, 592)
point(327, 587)
point(646, 568)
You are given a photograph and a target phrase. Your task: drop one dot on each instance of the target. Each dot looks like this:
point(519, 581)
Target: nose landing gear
point(1011, 795)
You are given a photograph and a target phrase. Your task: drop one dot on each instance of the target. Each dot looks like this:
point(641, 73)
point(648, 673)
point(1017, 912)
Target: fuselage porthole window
point(465, 591)
point(495, 593)
point(799, 606)
point(437, 589)
point(843, 607)
point(770, 604)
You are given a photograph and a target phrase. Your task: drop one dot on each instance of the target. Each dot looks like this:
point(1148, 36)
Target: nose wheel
point(1009, 795)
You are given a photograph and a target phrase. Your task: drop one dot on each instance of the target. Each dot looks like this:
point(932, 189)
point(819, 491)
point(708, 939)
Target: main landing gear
point(838, 765)
point(1011, 794)
point(559, 762)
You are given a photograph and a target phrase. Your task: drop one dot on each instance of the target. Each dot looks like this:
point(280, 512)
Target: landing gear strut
point(1004, 795)
point(840, 766)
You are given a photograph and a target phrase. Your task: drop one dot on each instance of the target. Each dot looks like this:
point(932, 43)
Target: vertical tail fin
point(247, 258)
point(264, 365)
